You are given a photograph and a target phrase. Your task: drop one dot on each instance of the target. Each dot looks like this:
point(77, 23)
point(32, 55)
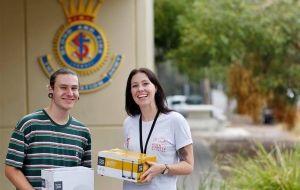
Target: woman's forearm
point(186, 164)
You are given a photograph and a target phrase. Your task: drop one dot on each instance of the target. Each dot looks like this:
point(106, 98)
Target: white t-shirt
point(171, 132)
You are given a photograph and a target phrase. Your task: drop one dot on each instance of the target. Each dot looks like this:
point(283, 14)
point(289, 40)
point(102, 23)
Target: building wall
point(27, 29)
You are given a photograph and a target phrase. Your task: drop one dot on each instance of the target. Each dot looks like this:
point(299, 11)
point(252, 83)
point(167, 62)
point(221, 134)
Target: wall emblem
point(82, 46)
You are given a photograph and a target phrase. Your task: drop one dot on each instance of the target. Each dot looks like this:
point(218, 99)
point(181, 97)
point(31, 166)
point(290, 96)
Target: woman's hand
point(183, 167)
point(153, 170)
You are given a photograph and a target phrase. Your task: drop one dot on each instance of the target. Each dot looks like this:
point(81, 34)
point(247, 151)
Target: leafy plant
point(275, 170)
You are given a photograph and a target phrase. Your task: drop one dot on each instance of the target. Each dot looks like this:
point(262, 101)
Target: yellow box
point(123, 164)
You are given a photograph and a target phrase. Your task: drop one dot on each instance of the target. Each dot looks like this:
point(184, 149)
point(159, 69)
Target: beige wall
point(27, 28)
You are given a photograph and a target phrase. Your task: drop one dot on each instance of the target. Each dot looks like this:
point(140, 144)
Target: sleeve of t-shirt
point(182, 131)
point(87, 155)
point(16, 149)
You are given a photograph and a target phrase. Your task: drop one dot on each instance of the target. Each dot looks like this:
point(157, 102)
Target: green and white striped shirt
point(39, 143)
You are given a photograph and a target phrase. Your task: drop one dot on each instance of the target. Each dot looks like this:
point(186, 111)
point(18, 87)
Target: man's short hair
point(61, 71)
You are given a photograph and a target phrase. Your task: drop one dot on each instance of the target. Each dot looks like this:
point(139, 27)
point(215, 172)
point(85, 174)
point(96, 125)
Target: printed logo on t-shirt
point(159, 144)
point(126, 144)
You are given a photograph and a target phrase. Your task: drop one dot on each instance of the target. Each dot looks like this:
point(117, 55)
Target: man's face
point(65, 91)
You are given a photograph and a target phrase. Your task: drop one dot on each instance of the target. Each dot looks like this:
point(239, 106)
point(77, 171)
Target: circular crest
point(81, 46)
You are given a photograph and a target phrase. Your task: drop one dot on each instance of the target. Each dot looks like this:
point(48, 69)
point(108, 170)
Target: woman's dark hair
point(62, 71)
point(131, 107)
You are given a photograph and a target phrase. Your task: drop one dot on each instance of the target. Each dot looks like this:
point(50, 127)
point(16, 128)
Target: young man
point(50, 137)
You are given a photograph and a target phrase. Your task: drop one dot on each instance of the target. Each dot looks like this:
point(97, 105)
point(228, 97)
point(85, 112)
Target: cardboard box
point(68, 178)
point(123, 164)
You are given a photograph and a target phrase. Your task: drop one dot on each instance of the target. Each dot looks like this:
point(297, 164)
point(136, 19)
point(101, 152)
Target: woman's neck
point(148, 114)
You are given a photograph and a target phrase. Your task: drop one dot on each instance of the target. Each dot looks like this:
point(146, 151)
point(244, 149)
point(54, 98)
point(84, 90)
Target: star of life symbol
point(82, 46)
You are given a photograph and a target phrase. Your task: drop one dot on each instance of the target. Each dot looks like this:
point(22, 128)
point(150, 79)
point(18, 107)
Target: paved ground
point(204, 169)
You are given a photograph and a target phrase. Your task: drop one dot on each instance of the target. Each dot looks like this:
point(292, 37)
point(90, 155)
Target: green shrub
point(278, 169)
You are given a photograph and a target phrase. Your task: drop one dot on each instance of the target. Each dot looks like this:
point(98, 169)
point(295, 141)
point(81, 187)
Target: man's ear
point(50, 89)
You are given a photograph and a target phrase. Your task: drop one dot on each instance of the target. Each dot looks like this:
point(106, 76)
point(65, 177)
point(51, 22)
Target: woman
point(154, 129)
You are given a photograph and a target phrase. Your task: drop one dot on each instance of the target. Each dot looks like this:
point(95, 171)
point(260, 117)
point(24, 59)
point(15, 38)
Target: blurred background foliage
point(251, 46)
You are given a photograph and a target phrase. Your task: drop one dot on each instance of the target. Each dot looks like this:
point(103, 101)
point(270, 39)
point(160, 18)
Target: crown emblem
point(80, 9)
point(81, 45)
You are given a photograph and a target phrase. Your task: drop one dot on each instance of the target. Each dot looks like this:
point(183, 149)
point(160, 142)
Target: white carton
point(68, 178)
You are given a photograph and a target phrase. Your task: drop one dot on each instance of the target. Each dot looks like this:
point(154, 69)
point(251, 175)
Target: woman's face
point(142, 90)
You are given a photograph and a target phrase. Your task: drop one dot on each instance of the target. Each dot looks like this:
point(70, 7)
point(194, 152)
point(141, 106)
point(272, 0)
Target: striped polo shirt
point(38, 143)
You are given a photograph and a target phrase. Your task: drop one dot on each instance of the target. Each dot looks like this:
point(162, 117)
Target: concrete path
point(205, 172)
